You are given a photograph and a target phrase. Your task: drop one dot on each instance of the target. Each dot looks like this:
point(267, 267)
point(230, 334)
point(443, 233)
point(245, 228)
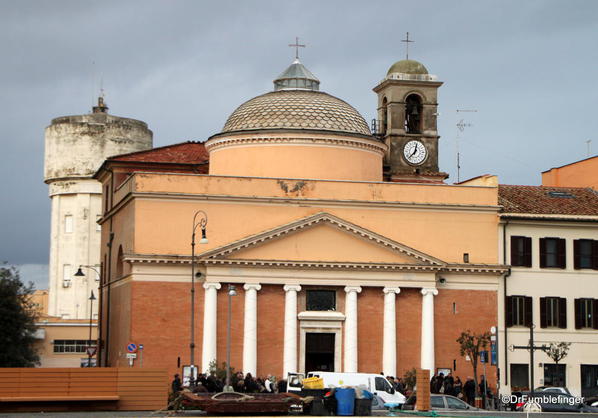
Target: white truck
point(375, 383)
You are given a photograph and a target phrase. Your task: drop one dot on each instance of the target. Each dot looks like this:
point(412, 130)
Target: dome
point(407, 67)
point(297, 109)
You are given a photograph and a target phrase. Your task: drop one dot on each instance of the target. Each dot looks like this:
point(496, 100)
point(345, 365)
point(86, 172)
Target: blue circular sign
point(132, 347)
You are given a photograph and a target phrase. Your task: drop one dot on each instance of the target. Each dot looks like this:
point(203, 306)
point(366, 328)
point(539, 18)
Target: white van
point(375, 383)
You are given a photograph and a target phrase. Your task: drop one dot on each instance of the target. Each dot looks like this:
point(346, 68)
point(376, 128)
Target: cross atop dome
point(297, 45)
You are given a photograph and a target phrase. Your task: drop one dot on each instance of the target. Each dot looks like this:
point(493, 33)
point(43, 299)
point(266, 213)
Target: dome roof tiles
point(296, 109)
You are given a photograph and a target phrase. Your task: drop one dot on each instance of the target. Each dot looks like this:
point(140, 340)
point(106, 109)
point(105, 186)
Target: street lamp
point(232, 291)
point(90, 352)
point(92, 297)
point(201, 222)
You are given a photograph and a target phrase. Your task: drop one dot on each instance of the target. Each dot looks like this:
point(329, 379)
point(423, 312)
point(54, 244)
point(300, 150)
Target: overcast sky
point(528, 67)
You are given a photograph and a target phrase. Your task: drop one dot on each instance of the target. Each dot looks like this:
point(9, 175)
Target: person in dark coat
point(458, 387)
point(177, 385)
point(469, 390)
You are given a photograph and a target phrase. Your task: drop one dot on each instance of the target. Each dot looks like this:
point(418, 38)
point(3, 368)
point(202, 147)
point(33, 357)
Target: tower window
point(413, 113)
point(68, 224)
point(384, 121)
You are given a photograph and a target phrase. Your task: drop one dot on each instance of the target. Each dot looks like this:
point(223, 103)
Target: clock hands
point(414, 151)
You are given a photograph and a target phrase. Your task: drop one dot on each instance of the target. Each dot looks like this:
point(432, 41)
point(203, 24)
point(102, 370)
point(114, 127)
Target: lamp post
point(91, 298)
point(201, 222)
point(90, 353)
point(232, 291)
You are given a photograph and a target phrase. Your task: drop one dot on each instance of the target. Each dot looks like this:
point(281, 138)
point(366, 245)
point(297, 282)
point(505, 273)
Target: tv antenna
point(461, 125)
point(589, 144)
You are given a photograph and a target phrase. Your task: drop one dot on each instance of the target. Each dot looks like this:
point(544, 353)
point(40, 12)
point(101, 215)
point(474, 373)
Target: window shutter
point(576, 255)
point(509, 312)
point(562, 312)
point(542, 252)
point(561, 253)
point(542, 312)
point(528, 319)
point(578, 319)
point(594, 312)
point(527, 251)
point(514, 258)
point(595, 255)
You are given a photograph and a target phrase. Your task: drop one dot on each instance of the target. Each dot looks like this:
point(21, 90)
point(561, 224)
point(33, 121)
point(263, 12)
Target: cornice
point(362, 143)
point(494, 269)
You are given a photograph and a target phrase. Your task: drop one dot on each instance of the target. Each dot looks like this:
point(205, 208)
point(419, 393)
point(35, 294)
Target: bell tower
point(407, 110)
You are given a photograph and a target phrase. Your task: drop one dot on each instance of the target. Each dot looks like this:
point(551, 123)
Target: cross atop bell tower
point(407, 120)
point(297, 45)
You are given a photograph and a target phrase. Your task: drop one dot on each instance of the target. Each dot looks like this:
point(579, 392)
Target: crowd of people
point(239, 382)
point(453, 386)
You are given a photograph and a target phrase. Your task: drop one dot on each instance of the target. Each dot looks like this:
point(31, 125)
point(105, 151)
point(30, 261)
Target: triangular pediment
point(322, 238)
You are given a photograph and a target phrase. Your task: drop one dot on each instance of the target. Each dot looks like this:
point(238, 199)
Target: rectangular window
point(585, 313)
point(68, 224)
point(552, 252)
point(519, 376)
point(554, 375)
point(521, 251)
point(72, 346)
point(321, 300)
point(66, 275)
point(553, 312)
point(585, 254)
point(519, 311)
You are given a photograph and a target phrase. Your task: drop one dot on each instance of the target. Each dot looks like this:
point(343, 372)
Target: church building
point(333, 246)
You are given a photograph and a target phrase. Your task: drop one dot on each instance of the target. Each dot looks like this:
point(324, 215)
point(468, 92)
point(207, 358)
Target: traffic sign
point(141, 346)
point(131, 355)
point(91, 351)
point(132, 348)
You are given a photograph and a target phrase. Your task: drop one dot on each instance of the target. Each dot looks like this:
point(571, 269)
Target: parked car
point(545, 401)
point(441, 403)
point(553, 389)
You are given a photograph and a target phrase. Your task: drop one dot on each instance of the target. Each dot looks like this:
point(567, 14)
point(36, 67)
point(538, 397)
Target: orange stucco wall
point(579, 174)
point(311, 162)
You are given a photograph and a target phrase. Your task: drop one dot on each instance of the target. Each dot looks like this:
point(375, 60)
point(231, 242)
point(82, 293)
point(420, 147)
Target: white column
point(351, 328)
point(210, 309)
point(427, 342)
point(290, 329)
point(389, 344)
point(250, 329)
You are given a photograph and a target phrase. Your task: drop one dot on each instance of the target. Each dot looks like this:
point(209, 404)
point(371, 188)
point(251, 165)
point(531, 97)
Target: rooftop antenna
point(101, 106)
point(461, 125)
point(407, 42)
point(297, 45)
point(589, 143)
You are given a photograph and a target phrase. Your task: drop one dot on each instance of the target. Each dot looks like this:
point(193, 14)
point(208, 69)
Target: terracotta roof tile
point(183, 153)
point(548, 200)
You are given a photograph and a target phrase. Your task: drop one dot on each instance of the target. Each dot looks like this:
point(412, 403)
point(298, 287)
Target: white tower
point(76, 146)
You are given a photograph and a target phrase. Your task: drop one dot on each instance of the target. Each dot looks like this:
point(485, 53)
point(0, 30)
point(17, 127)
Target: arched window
point(413, 114)
point(384, 121)
point(119, 263)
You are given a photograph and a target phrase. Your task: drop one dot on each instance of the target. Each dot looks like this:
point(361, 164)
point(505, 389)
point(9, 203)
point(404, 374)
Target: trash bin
point(363, 407)
point(345, 401)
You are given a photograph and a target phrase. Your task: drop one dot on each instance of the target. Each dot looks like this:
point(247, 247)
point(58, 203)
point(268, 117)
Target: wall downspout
point(507, 274)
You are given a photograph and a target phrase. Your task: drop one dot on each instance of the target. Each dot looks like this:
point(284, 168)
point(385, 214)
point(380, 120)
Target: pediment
point(322, 238)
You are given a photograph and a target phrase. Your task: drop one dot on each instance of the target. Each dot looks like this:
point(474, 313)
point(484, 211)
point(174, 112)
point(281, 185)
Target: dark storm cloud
point(184, 66)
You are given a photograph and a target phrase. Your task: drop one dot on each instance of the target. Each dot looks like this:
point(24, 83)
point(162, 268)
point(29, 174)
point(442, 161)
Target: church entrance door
point(319, 352)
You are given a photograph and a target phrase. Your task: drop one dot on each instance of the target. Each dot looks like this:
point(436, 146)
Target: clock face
point(415, 152)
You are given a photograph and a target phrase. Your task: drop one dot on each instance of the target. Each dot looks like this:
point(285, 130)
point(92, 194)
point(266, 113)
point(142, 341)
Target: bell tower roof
point(407, 67)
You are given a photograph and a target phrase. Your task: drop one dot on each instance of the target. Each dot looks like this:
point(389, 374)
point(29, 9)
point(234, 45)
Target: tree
point(471, 345)
point(410, 379)
point(557, 351)
point(17, 321)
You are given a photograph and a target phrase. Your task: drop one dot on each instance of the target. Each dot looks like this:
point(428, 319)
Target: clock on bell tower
point(407, 113)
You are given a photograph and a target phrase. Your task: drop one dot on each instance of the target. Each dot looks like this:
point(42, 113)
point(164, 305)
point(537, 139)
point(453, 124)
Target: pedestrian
point(400, 386)
point(433, 384)
point(282, 386)
point(177, 385)
point(458, 388)
point(449, 385)
point(469, 390)
point(268, 384)
point(440, 383)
